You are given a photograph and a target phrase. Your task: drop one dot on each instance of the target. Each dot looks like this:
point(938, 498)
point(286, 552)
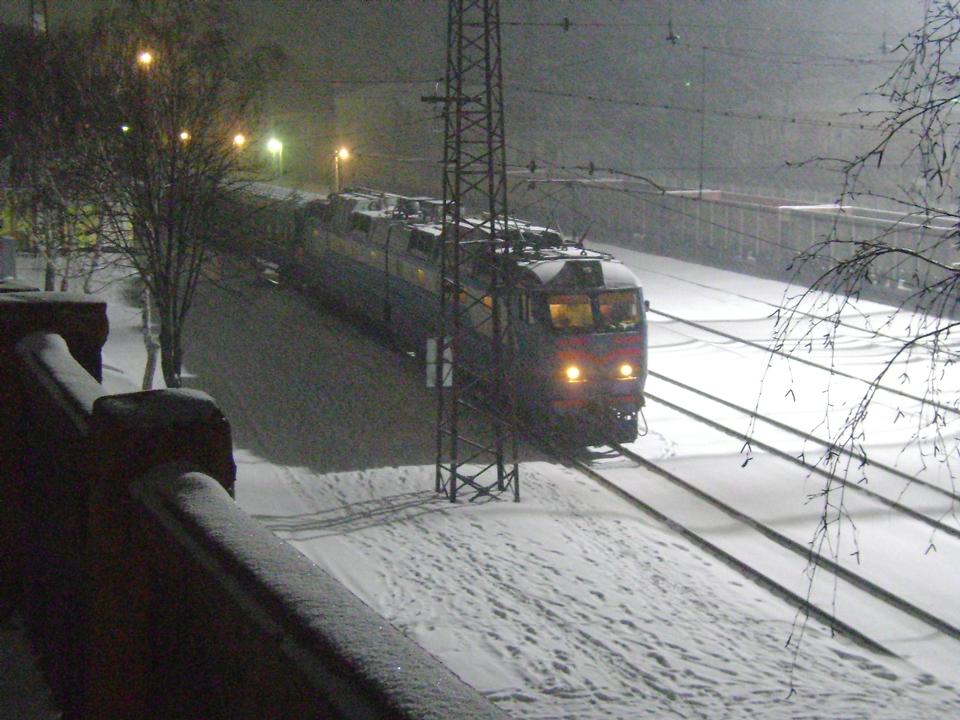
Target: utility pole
point(475, 390)
point(703, 113)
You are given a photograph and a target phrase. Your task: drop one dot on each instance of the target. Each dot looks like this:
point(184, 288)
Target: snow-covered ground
point(570, 604)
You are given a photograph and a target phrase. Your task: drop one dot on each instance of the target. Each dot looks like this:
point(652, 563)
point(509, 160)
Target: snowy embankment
point(568, 604)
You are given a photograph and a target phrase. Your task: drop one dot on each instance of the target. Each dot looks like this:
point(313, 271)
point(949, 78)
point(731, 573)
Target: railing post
point(81, 320)
point(130, 434)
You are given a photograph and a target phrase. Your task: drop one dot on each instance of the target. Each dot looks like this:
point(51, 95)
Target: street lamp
point(275, 148)
point(338, 158)
point(144, 59)
point(239, 140)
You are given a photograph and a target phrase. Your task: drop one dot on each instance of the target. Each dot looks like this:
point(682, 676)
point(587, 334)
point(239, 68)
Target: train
point(578, 315)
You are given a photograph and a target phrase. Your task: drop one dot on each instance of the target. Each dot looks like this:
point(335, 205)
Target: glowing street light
point(239, 140)
point(275, 148)
point(338, 158)
point(184, 136)
point(145, 58)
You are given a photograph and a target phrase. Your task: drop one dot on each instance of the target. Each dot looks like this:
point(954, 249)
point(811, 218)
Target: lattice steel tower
point(476, 411)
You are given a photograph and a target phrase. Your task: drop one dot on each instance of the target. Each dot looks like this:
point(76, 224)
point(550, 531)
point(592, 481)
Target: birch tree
point(910, 260)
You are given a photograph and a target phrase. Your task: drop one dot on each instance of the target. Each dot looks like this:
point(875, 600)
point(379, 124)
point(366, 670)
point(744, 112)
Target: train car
point(579, 315)
point(264, 221)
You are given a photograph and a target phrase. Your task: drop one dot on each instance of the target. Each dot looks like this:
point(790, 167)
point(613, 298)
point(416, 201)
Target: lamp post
point(275, 148)
point(338, 158)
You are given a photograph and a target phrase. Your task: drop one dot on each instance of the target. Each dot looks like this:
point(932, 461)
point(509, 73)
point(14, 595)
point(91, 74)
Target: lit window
point(619, 310)
point(570, 312)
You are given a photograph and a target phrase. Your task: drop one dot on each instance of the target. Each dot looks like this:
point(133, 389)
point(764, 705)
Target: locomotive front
point(583, 343)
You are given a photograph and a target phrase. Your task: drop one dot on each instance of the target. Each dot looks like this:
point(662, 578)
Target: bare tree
point(909, 260)
point(39, 136)
point(165, 93)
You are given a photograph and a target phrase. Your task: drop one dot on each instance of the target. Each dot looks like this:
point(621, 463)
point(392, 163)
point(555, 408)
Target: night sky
point(754, 82)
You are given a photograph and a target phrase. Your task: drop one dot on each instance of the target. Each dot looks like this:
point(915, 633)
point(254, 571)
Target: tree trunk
point(49, 276)
point(50, 272)
point(65, 277)
point(170, 352)
point(150, 368)
point(149, 341)
point(91, 269)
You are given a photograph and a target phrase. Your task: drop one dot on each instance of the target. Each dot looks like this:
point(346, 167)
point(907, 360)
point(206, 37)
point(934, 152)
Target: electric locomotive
point(579, 316)
point(580, 323)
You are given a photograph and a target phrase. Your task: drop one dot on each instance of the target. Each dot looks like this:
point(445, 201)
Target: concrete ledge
point(137, 431)
point(51, 366)
point(80, 319)
point(299, 634)
point(10, 285)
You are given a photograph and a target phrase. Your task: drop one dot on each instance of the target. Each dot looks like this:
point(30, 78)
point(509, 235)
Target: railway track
point(953, 409)
point(884, 481)
point(766, 556)
point(769, 556)
point(887, 494)
point(777, 309)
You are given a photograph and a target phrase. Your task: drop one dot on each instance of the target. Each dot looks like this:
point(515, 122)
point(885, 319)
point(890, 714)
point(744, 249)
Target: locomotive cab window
point(570, 312)
point(619, 310)
point(609, 311)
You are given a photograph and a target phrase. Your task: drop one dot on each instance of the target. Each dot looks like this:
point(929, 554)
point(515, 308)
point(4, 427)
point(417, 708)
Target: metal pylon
point(476, 411)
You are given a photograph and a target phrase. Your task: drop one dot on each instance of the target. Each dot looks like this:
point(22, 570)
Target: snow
point(338, 624)
point(73, 383)
point(571, 603)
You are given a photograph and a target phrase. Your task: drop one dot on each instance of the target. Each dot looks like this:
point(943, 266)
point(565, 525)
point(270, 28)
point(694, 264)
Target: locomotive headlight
point(626, 371)
point(573, 373)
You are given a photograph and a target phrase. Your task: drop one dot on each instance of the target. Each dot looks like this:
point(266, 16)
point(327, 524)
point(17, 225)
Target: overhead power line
point(656, 198)
point(365, 81)
point(568, 24)
point(799, 58)
point(785, 120)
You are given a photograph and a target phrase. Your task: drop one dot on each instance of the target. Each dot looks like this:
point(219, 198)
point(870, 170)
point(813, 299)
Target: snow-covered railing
point(47, 392)
point(149, 591)
point(268, 633)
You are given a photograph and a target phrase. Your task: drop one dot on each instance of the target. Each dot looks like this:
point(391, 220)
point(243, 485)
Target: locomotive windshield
point(619, 310)
point(570, 312)
point(611, 311)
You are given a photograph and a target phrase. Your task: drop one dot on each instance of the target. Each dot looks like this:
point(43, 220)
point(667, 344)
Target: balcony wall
point(148, 591)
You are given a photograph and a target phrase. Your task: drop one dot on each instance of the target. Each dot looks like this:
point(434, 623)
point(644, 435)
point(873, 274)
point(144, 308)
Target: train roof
point(574, 268)
point(363, 201)
point(268, 191)
point(544, 256)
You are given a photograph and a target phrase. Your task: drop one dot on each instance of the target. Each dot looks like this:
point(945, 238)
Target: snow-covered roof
point(269, 191)
point(573, 267)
